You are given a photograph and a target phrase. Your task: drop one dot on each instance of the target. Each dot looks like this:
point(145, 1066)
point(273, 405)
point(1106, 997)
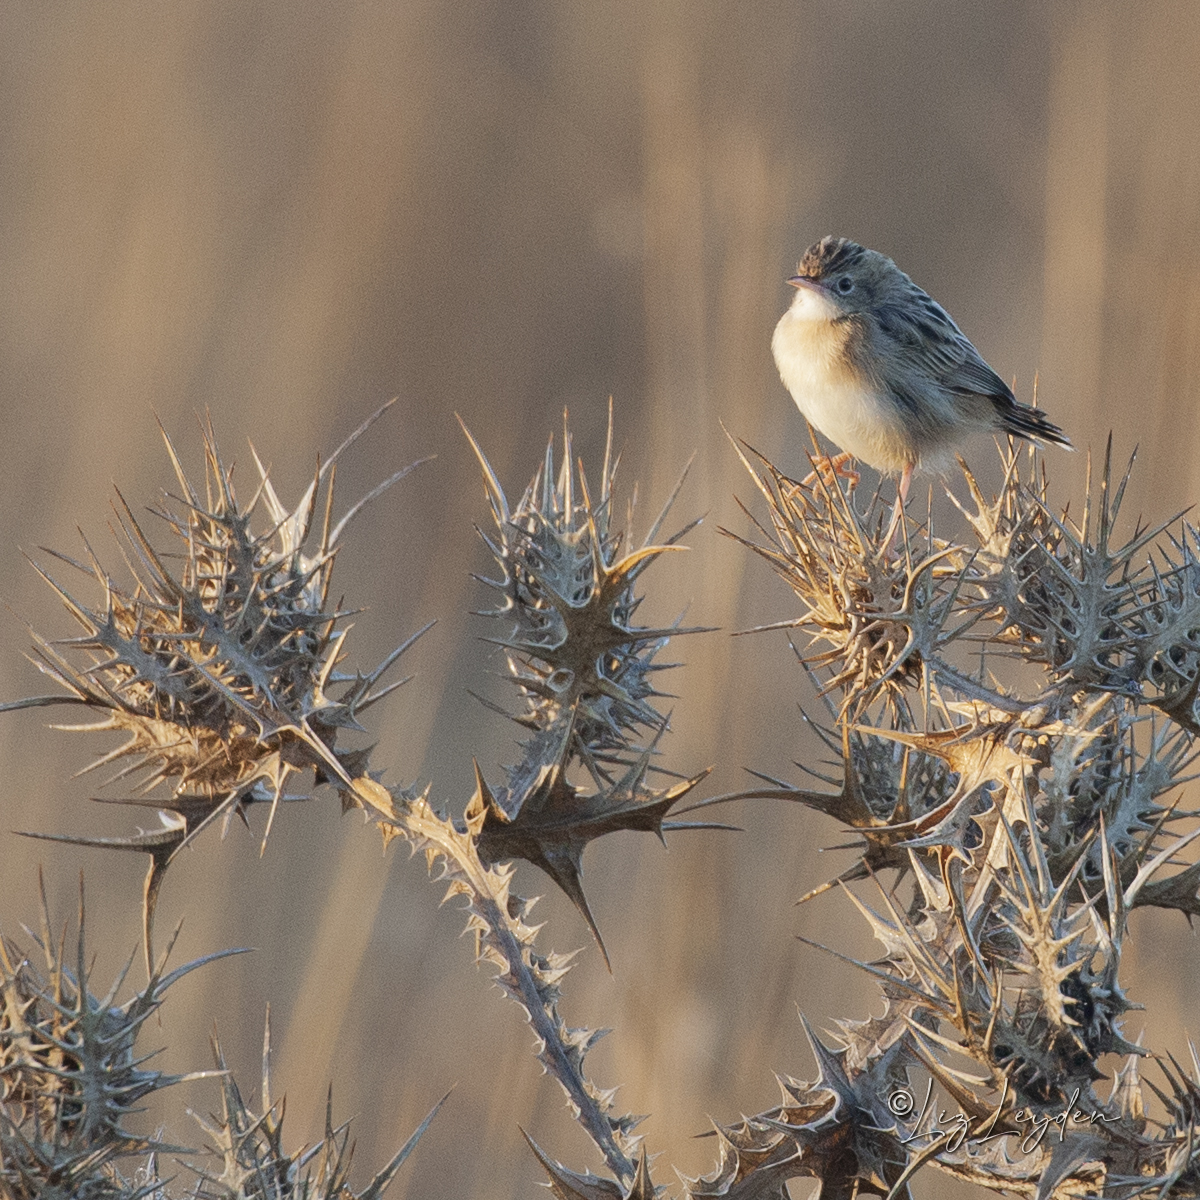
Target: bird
point(878, 366)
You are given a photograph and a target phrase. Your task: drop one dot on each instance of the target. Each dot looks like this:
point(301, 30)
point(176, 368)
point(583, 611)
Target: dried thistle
point(253, 1162)
point(221, 672)
point(224, 677)
point(881, 618)
point(568, 589)
point(71, 1075)
point(584, 670)
point(1026, 821)
point(582, 667)
point(1027, 847)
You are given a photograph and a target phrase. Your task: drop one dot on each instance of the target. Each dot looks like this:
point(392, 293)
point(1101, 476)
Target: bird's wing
point(935, 347)
point(938, 376)
point(973, 376)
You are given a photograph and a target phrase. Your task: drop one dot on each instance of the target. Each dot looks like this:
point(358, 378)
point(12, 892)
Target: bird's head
point(838, 277)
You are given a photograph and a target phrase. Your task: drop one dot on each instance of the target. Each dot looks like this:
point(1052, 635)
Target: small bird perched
point(879, 367)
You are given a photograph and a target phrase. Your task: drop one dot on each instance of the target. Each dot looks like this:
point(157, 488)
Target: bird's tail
point(1023, 421)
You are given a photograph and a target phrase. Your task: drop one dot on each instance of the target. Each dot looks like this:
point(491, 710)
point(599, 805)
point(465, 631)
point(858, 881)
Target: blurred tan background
point(288, 213)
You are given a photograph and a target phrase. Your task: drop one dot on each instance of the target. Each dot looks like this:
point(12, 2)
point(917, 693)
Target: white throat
point(812, 304)
point(837, 399)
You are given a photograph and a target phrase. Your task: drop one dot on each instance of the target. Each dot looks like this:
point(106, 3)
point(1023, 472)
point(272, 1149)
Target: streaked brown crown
point(830, 254)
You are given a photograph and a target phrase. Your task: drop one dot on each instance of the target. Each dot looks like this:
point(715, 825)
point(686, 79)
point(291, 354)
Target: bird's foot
point(897, 511)
point(893, 528)
point(829, 468)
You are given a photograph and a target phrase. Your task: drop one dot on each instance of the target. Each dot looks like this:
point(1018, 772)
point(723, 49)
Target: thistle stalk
point(1026, 822)
point(224, 676)
point(1012, 709)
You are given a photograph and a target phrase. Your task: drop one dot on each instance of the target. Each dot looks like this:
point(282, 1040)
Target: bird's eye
point(845, 285)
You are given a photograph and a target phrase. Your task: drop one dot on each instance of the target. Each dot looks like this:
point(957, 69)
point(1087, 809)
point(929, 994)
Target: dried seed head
point(583, 668)
point(220, 669)
point(1041, 825)
point(838, 1129)
point(252, 1163)
point(568, 595)
point(879, 616)
point(70, 1073)
point(71, 1077)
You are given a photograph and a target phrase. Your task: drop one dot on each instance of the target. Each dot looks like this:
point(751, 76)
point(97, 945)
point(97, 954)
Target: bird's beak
point(803, 281)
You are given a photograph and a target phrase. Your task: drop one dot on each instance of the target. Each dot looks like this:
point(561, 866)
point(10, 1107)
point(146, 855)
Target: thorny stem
point(967, 686)
point(994, 959)
point(553, 1053)
point(491, 903)
point(231, 617)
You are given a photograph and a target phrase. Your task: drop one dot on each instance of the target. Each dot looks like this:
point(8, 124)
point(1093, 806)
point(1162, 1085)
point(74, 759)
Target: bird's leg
point(898, 511)
point(830, 467)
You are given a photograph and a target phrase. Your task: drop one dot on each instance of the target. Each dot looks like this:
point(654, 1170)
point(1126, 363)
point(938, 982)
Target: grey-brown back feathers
point(912, 348)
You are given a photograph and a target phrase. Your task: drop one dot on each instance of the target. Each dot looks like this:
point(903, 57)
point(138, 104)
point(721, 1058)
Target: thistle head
point(217, 659)
point(568, 594)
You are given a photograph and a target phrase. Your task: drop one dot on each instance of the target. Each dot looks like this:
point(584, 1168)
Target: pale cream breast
point(835, 399)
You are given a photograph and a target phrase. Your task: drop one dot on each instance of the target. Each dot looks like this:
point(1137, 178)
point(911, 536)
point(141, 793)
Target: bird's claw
point(829, 468)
